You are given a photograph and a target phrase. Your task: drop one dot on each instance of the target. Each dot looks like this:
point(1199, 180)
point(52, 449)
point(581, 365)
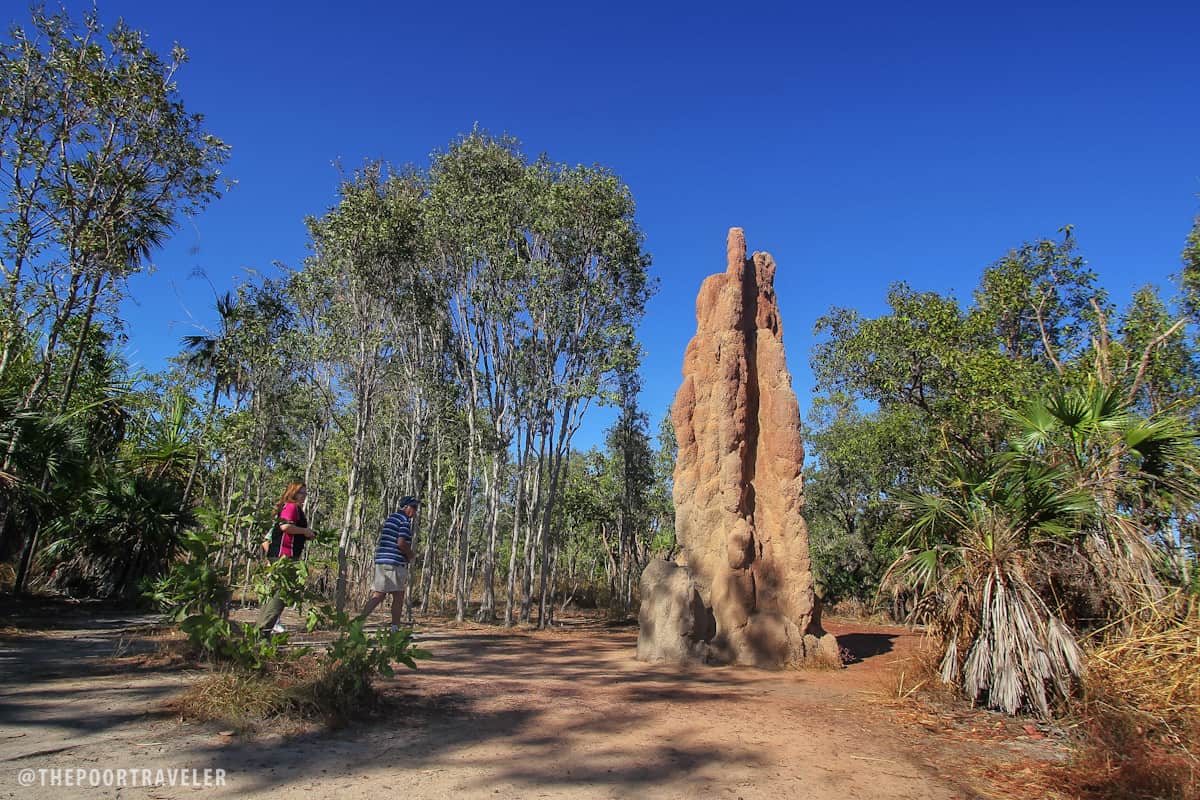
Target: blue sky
point(859, 145)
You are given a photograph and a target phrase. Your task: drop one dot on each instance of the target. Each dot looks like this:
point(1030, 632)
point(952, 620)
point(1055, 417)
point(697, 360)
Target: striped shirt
point(397, 527)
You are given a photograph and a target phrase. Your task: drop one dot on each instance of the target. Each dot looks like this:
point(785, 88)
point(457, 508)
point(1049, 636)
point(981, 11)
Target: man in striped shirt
point(391, 561)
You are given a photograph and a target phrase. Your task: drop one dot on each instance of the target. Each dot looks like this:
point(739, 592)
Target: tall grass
point(1141, 708)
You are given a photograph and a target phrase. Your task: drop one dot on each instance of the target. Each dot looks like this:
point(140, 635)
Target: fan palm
point(1083, 475)
point(167, 448)
point(969, 558)
point(1142, 472)
point(126, 529)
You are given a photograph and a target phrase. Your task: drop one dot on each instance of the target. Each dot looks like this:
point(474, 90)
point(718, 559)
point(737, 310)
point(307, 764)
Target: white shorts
point(390, 578)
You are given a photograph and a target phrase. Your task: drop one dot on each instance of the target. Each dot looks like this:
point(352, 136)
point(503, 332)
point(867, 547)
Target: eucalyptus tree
point(1035, 314)
point(407, 437)
point(587, 513)
point(1189, 276)
point(530, 448)
point(264, 370)
point(1149, 353)
point(476, 214)
point(589, 291)
point(544, 277)
point(98, 158)
point(630, 460)
point(363, 249)
point(662, 498)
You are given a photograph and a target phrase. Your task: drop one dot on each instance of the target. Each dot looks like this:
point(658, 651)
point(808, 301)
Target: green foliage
point(195, 594)
point(363, 655)
point(219, 639)
point(101, 159)
point(848, 491)
point(124, 528)
point(193, 585)
point(932, 378)
point(1189, 278)
point(1042, 447)
point(285, 578)
point(616, 507)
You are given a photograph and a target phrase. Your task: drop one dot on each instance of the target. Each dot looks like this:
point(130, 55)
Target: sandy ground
point(567, 713)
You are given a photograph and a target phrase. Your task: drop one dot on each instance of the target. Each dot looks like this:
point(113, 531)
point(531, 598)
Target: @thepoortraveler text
point(94, 777)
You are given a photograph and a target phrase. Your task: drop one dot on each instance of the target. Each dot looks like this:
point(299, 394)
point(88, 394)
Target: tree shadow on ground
point(81, 709)
point(502, 710)
point(52, 613)
point(862, 646)
point(564, 740)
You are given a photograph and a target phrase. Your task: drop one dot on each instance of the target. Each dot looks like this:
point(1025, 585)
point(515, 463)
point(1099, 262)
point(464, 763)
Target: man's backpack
point(274, 541)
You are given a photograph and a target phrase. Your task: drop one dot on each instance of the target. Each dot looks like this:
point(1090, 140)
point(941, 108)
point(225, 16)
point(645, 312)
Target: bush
point(335, 687)
point(353, 660)
point(194, 594)
point(192, 585)
point(253, 680)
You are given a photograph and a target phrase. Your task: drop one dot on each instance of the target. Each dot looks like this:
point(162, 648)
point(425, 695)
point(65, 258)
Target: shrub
point(335, 686)
point(195, 594)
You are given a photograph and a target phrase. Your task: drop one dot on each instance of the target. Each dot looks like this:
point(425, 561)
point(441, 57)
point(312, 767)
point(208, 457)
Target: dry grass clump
point(239, 699)
point(1141, 708)
point(855, 610)
point(298, 691)
point(1155, 668)
point(822, 658)
point(919, 676)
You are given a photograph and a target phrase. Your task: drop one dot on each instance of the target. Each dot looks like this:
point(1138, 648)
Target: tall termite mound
point(741, 590)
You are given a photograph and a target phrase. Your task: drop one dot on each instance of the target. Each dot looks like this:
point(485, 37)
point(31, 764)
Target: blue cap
point(409, 500)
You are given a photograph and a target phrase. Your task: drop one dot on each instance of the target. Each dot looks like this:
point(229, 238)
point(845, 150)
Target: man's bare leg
point(397, 608)
point(372, 603)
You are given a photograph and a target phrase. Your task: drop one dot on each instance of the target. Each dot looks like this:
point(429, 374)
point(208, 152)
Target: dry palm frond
point(1125, 561)
point(1003, 644)
point(1024, 656)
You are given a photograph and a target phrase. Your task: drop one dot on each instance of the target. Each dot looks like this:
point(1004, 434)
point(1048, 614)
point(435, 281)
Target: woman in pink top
point(287, 540)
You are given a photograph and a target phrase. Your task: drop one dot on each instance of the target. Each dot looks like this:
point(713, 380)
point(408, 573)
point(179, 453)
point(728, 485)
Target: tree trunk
point(523, 450)
point(487, 607)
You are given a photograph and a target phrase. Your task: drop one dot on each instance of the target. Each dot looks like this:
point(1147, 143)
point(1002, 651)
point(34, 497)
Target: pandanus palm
point(1084, 479)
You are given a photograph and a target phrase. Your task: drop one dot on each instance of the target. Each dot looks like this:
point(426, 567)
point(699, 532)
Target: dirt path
point(501, 714)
